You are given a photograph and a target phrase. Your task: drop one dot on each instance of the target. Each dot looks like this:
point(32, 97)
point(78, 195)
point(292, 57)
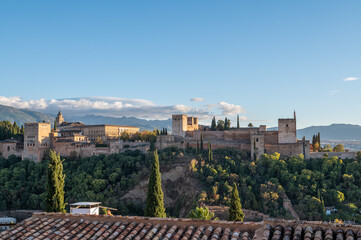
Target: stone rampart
point(343, 155)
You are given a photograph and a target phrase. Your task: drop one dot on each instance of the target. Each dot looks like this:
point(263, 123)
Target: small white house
point(90, 208)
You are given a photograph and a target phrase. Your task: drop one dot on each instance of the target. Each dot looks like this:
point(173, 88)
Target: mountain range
point(21, 116)
point(341, 132)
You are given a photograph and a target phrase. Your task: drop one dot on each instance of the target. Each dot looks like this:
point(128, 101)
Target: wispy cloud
point(334, 92)
point(349, 79)
point(118, 107)
point(197, 99)
point(230, 109)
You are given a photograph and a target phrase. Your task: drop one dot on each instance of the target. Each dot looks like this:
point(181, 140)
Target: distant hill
point(21, 116)
point(129, 121)
point(332, 132)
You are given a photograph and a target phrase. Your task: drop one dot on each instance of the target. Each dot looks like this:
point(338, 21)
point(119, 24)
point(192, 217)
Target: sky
point(150, 59)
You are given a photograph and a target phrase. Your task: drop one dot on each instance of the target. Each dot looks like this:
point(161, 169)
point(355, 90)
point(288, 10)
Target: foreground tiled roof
point(303, 230)
point(66, 226)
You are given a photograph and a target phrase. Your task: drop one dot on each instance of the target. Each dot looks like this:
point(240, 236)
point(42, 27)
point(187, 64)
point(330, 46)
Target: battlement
point(181, 124)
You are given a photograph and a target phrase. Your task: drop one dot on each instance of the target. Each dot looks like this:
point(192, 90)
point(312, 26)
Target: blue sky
point(262, 59)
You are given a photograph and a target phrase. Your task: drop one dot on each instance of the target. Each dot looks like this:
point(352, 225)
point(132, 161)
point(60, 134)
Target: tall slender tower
point(59, 119)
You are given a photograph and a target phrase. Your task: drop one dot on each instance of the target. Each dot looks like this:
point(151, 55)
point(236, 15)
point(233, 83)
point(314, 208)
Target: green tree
point(358, 155)
point(237, 121)
point(250, 125)
point(154, 205)
point(235, 206)
point(201, 142)
point(55, 183)
point(220, 125)
point(202, 213)
point(339, 148)
point(125, 136)
point(210, 153)
point(197, 147)
point(213, 124)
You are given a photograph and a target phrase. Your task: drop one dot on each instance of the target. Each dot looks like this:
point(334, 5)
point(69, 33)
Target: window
point(8, 148)
point(256, 139)
point(286, 125)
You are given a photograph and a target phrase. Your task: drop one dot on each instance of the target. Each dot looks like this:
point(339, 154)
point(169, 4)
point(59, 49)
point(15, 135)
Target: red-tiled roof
point(73, 226)
point(76, 226)
point(303, 230)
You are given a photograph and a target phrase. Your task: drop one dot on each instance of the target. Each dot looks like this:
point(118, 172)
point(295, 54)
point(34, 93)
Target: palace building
point(255, 140)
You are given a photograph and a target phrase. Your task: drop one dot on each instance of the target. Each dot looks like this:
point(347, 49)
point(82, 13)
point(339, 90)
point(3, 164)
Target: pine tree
point(55, 183)
point(201, 142)
point(237, 121)
point(154, 205)
point(235, 206)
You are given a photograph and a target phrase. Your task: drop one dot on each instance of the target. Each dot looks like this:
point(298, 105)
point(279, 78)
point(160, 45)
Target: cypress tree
point(235, 206)
point(201, 142)
point(154, 206)
point(210, 153)
point(55, 183)
point(226, 124)
point(197, 146)
point(319, 139)
point(54, 125)
point(237, 121)
point(213, 125)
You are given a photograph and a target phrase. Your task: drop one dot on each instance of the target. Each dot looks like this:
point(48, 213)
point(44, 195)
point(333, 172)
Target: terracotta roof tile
point(67, 226)
point(76, 226)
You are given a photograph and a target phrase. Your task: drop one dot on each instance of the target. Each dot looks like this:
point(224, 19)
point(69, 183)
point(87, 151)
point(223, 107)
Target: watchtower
point(287, 132)
point(179, 125)
point(36, 140)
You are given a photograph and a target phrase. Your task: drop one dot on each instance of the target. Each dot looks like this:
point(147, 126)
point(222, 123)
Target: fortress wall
point(9, 148)
point(239, 135)
point(271, 137)
point(293, 149)
point(342, 155)
point(209, 135)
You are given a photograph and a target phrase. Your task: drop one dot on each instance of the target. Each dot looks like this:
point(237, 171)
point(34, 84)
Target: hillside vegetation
point(265, 183)
point(119, 181)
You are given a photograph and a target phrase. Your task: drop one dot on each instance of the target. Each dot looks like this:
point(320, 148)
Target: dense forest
point(9, 130)
point(311, 185)
point(98, 178)
point(263, 184)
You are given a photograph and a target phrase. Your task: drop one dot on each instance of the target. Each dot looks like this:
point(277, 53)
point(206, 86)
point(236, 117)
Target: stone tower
point(36, 140)
point(179, 125)
point(287, 131)
point(59, 119)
